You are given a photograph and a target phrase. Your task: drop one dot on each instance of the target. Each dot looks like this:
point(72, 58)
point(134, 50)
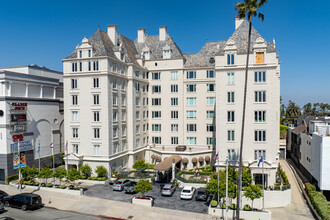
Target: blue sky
point(44, 32)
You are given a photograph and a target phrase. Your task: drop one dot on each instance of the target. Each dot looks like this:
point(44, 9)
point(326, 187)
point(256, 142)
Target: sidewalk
point(102, 207)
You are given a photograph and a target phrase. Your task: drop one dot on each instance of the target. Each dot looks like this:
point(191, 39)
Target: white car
point(187, 192)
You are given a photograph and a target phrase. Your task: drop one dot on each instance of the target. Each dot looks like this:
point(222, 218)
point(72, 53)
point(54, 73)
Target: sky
point(43, 32)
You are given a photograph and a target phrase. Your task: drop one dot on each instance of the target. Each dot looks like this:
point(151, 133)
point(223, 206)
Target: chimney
point(162, 33)
point(112, 32)
point(238, 22)
point(141, 35)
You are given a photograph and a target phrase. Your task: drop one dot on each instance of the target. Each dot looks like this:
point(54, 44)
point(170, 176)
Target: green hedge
point(214, 203)
point(318, 201)
point(247, 207)
point(12, 178)
point(309, 187)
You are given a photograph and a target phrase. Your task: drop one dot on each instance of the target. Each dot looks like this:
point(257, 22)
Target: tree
point(45, 173)
point(86, 170)
point(212, 188)
point(60, 173)
point(247, 9)
point(246, 176)
point(142, 187)
point(140, 164)
point(232, 174)
point(253, 192)
point(283, 131)
point(308, 109)
point(292, 111)
point(73, 175)
point(101, 171)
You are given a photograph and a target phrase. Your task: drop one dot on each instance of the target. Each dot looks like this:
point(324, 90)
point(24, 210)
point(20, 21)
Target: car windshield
point(118, 182)
point(201, 193)
point(186, 191)
point(166, 188)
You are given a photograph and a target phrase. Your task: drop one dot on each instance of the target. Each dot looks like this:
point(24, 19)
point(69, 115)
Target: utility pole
point(227, 188)
point(218, 180)
point(263, 185)
point(39, 155)
point(19, 168)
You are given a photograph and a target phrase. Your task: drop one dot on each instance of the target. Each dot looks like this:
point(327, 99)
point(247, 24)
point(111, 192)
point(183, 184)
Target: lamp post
point(227, 188)
point(19, 164)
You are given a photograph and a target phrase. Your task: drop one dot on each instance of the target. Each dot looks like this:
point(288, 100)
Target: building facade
point(31, 112)
point(172, 101)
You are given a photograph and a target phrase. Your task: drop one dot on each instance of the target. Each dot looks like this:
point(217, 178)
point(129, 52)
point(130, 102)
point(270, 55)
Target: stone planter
point(247, 215)
point(143, 201)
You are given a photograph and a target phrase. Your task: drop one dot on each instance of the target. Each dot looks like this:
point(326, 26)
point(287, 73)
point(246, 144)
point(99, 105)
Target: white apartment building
point(168, 103)
point(31, 111)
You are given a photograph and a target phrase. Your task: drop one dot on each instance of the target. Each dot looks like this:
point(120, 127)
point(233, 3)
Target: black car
point(24, 201)
point(2, 196)
point(201, 194)
point(130, 188)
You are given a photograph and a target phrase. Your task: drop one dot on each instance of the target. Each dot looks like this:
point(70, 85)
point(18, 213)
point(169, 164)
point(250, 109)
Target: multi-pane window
point(191, 74)
point(114, 84)
point(259, 77)
point(191, 140)
point(137, 115)
point(231, 154)
point(115, 148)
point(174, 88)
point(191, 127)
point(137, 101)
point(96, 65)
point(210, 127)
point(231, 135)
point(115, 132)
point(174, 140)
point(74, 83)
point(260, 96)
point(210, 87)
point(74, 67)
point(191, 101)
point(156, 127)
point(174, 114)
point(156, 101)
point(174, 101)
point(74, 100)
point(210, 74)
point(123, 115)
point(191, 88)
point(210, 114)
point(74, 116)
point(191, 114)
point(230, 116)
point(209, 141)
point(230, 59)
point(174, 127)
point(137, 143)
point(137, 87)
point(96, 133)
point(96, 116)
point(210, 100)
point(259, 153)
point(259, 116)
point(96, 149)
point(156, 76)
point(115, 116)
point(156, 140)
point(96, 99)
point(174, 75)
point(230, 97)
point(230, 78)
point(156, 114)
point(137, 129)
point(115, 100)
point(137, 73)
point(166, 54)
point(80, 66)
point(156, 89)
point(259, 135)
point(89, 66)
point(96, 82)
point(75, 132)
point(123, 100)
point(75, 148)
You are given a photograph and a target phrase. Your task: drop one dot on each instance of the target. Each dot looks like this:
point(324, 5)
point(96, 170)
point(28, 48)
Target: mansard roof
point(129, 49)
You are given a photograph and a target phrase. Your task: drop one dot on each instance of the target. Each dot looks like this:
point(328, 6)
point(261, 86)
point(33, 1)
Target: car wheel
point(6, 204)
point(24, 207)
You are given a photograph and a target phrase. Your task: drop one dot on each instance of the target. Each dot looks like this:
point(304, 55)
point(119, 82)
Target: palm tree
point(248, 9)
point(308, 109)
point(292, 110)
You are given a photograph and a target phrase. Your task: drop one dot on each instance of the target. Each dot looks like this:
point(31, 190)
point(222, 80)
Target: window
point(230, 78)
point(230, 59)
point(210, 127)
point(123, 145)
point(260, 96)
point(259, 135)
point(191, 101)
point(74, 67)
point(230, 97)
point(191, 127)
point(89, 53)
point(210, 100)
point(75, 132)
point(74, 100)
point(231, 154)
point(137, 143)
point(156, 114)
point(210, 87)
point(174, 88)
point(137, 73)
point(96, 65)
point(137, 87)
point(96, 133)
point(137, 101)
point(115, 148)
point(75, 148)
point(191, 140)
point(259, 77)
point(80, 54)
point(123, 116)
point(209, 141)
point(96, 82)
point(80, 66)
point(115, 100)
point(137, 129)
point(96, 116)
point(156, 140)
point(174, 127)
point(210, 74)
point(191, 114)
point(174, 140)
point(96, 149)
point(143, 75)
point(191, 74)
point(156, 76)
point(74, 116)
point(123, 130)
point(174, 75)
point(166, 54)
point(231, 135)
point(144, 101)
point(115, 116)
point(174, 101)
point(123, 100)
point(89, 66)
point(191, 88)
point(114, 84)
point(156, 127)
point(137, 114)
point(259, 153)
point(74, 83)
point(210, 114)
point(114, 67)
point(96, 99)
point(156, 101)
point(259, 57)
point(259, 116)
point(146, 55)
point(156, 89)
point(174, 114)
point(230, 116)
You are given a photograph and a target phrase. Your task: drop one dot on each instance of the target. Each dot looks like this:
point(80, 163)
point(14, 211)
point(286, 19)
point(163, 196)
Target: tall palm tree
point(248, 9)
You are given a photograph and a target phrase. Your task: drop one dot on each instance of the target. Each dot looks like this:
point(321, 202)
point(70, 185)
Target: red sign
point(18, 106)
point(18, 137)
point(18, 117)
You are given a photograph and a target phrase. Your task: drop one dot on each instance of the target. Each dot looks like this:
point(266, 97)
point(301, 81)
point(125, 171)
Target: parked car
point(130, 188)
point(168, 190)
point(187, 192)
point(24, 201)
point(2, 196)
point(2, 207)
point(201, 194)
point(119, 185)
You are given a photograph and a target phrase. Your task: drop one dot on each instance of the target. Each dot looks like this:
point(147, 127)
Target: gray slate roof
point(129, 49)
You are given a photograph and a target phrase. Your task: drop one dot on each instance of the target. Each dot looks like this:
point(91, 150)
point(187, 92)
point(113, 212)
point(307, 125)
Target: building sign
point(24, 146)
point(18, 137)
point(18, 117)
point(19, 128)
point(16, 158)
point(17, 106)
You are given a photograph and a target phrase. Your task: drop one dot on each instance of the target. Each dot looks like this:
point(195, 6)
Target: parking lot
point(173, 202)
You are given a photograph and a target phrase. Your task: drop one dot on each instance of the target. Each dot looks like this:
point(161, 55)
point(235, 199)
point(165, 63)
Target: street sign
point(16, 158)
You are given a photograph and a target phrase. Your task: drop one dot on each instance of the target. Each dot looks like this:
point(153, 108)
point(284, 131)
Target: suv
point(201, 194)
point(187, 192)
point(119, 185)
point(130, 188)
point(24, 201)
point(168, 190)
point(2, 196)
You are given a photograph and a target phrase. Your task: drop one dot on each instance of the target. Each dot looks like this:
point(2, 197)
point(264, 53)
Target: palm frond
point(261, 3)
point(261, 16)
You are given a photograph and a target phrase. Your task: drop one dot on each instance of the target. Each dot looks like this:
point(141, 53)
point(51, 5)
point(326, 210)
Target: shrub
point(247, 207)
point(82, 177)
point(86, 170)
point(43, 184)
point(63, 186)
point(223, 205)
point(29, 183)
point(320, 204)
point(71, 187)
point(12, 178)
point(77, 188)
point(233, 206)
point(36, 183)
point(214, 203)
point(309, 187)
point(49, 185)
point(102, 179)
point(101, 171)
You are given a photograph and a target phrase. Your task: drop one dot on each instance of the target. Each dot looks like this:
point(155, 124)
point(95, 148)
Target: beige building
point(153, 101)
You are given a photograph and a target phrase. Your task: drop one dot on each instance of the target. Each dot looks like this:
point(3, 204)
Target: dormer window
point(260, 57)
point(146, 55)
point(230, 59)
point(89, 53)
point(166, 54)
point(80, 54)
